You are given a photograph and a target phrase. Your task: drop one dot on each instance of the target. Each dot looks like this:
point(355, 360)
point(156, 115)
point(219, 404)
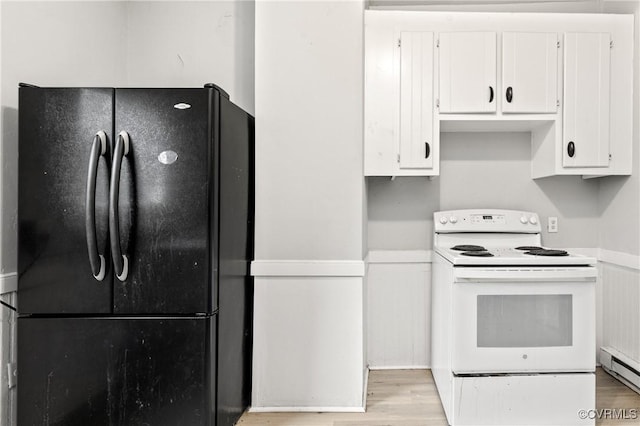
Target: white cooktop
point(506, 256)
point(500, 232)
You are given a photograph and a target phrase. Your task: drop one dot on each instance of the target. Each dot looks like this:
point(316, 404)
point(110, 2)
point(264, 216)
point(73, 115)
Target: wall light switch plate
point(552, 224)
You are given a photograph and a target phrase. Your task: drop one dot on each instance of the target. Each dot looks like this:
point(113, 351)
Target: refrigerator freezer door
point(116, 371)
point(164, 201)
point(57, 129)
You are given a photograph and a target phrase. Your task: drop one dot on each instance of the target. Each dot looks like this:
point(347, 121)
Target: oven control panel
point(497, 219)
point(490, 220)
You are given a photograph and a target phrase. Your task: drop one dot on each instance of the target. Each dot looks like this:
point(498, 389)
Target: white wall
point(309, 130)
point(309, 331)
point(188, 44)
point(619, 198)
point(481, 170)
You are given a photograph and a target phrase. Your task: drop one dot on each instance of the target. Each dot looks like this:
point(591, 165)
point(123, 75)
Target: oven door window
point(519, 321)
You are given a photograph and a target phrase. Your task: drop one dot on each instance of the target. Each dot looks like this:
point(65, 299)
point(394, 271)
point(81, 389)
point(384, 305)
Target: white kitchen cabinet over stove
point(499, 72)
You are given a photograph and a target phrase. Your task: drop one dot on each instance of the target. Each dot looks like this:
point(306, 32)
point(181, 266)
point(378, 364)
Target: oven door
point(523, 320)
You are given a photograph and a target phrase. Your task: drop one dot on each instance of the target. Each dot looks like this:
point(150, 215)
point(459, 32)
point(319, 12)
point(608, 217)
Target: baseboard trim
point(399, 367)
point(306, 409)
point(8, 283)
point(307, 268)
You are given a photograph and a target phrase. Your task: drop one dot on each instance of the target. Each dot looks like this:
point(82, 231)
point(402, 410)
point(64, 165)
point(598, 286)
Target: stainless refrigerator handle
point(98, 148)
point(120, 261)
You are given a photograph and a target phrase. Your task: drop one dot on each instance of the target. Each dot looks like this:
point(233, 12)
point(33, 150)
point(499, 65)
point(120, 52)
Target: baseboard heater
point(621, 367)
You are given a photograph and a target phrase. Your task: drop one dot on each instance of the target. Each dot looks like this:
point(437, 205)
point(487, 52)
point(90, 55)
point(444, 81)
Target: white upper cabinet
point(401, 134)
point(565, 78)
point(585, 133)
point(529, 72)
point(417, 144)
point(467, 72)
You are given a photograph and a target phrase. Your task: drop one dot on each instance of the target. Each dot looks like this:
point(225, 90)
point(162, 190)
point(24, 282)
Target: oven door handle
point(509, 275)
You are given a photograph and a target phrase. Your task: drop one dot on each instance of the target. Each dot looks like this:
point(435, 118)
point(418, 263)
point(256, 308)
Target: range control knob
point(453, 219)
point(523, 219)
point(533, 220)
point(443, 220)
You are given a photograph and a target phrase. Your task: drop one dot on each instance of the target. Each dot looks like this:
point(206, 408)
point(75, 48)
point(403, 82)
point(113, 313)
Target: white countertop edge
point(627, 260)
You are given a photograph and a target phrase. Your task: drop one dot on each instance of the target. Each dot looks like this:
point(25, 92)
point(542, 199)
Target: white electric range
point(513, 322)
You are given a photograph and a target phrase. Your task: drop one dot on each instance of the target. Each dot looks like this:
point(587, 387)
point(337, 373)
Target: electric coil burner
point(547, 252)
point(513, 322)
point(468, 247)
point(478, 253)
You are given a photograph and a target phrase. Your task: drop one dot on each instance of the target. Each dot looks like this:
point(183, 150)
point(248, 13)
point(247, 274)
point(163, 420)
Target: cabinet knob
point(509, 94)
point(571, 149)
point(490, 94)
point(427, 150)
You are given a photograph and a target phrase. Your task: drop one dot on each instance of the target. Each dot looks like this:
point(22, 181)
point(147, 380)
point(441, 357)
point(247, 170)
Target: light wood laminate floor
point(409, 398)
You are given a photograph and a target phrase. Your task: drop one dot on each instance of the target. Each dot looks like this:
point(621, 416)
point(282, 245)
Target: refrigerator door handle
point(96, 260)
point(120, 261)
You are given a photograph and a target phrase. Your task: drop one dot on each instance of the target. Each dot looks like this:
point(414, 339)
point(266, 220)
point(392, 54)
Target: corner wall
point(309, 345)
point(619, 197)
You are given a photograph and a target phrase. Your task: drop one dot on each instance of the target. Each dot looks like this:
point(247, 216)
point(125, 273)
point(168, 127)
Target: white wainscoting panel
point(621, 309)
point(399, 309)
point(308, 347)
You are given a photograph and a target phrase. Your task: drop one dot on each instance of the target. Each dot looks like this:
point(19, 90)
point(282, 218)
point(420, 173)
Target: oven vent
point(613, 363)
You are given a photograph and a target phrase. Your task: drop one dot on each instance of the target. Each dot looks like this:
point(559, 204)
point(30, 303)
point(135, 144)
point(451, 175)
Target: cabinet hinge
point(398, 158)
point(557, 102)
point(558, 44)
point(609, 157)
point(437, 103)
point(611, 44)
point(438, 43)
point(399, 42)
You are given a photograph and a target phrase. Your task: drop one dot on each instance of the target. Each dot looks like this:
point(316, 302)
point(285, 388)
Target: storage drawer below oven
point(544, 399)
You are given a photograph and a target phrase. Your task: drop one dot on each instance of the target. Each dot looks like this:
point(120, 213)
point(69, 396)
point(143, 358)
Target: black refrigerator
point(135, 233)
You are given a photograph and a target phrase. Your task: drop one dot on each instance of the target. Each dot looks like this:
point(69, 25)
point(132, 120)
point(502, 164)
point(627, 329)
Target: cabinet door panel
point(467, 72)
point(416, 100)
point(585, 133)
point(529, 72)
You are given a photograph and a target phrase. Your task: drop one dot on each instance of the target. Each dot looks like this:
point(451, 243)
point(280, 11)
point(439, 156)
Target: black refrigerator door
point(58, 128)
point(162, 243)
point(116, 371)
